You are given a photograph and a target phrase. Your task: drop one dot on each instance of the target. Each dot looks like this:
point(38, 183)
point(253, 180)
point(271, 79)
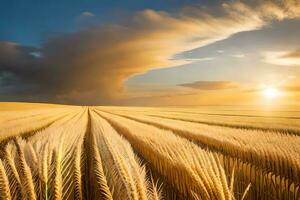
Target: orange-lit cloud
point(291, 88)
point(90, 66)
point(211, 85)
point(292, 85)
point(196, 98)
point(293, 54)
point(283, 58)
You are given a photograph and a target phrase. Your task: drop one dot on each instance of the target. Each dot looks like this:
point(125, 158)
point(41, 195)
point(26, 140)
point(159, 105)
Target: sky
point(150, 53)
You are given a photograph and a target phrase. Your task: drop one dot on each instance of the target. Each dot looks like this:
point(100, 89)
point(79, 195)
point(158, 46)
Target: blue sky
point(29, 22)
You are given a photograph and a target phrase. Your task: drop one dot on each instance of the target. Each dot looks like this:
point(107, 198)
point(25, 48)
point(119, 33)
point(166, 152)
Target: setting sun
point(271, 92)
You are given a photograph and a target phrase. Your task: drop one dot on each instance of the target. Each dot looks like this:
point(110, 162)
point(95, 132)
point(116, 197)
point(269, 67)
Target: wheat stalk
point(26, 172)
point(101, 183)
point(77, 173)
point(4, 184)
point(13, 175)
point(57, 183)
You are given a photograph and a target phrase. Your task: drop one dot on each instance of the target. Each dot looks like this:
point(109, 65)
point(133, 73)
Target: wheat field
point(138, 153)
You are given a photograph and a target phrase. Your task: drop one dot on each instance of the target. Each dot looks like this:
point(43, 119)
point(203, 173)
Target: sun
point(271, 92)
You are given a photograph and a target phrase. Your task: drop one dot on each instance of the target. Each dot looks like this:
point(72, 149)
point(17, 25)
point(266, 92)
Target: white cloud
point(238, 55)
point(199, 59)
point(87, 14)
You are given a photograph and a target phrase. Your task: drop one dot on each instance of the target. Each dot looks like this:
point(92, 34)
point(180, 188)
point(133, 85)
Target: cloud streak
point(293, 54)
point(90, 66)
point(283, 58)
point(211, 85)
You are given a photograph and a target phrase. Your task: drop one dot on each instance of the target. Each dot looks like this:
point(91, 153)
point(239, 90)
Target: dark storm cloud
point(91, 65)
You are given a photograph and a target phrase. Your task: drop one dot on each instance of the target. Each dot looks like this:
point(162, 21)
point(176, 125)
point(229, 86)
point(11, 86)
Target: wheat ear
point(99, 173)
point(4, 184)
point(77, 173)
point(26, 173)
point(57, 189)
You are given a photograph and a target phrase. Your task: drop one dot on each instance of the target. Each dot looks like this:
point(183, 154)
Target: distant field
point(7, 106)
point(137, 153)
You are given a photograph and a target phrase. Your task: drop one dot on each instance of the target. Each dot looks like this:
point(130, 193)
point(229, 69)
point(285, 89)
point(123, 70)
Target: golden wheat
point(70, 152)
point(187, 167)
point(126, 176)
point(254, 147)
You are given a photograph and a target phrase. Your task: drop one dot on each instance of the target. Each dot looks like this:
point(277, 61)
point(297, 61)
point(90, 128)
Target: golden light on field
point(116, 138)
point(271, 92)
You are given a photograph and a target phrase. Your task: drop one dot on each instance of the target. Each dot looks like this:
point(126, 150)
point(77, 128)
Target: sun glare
point(271, 92)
